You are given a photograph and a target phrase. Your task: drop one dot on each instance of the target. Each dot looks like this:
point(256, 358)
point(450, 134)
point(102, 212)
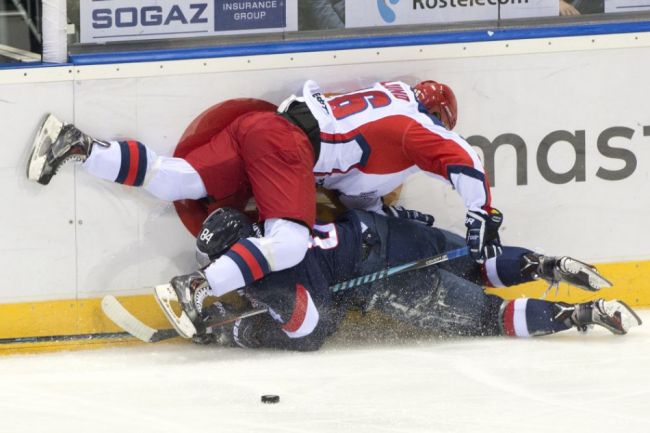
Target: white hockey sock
point(174, 179)
point(132, 163)
point(124, 162)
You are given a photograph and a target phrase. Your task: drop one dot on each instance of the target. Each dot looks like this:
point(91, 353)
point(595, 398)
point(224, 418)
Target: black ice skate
point(563, 269)
point(189, 291)
point(615, 316)
point(55, 144)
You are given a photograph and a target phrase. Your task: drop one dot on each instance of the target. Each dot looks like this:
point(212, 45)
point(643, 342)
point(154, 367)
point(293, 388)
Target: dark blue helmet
point(221, 230)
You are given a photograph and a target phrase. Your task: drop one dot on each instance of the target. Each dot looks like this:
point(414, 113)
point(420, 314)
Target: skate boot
point(615, 316)
point(567, 269)
point(189, 291)
point(55, 144)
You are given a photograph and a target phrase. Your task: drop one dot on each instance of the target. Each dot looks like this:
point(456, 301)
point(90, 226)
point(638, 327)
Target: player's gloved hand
point(210, 315)
point(409, 214)
point(483, 234)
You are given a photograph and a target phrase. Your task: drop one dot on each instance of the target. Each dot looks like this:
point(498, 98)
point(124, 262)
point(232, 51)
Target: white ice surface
point(563, 383)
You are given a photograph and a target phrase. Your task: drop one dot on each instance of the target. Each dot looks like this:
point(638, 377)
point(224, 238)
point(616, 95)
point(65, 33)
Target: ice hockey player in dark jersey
point(448, 298)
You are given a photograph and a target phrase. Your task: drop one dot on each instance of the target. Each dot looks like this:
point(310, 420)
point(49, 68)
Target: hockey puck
point(270, 399)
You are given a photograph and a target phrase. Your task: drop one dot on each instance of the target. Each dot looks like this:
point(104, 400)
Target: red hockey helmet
point(439, 100)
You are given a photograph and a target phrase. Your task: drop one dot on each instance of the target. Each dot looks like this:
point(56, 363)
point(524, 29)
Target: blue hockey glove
point(483, 234)
point(400, 212)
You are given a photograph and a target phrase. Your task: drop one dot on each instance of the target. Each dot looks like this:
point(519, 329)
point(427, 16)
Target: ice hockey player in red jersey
point(304, 306)
point(371, 139)
point(364, 144)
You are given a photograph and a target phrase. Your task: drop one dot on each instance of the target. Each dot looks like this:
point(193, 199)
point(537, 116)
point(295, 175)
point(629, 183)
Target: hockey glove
point(400, 212)
point(483, 234)
point(222, 335)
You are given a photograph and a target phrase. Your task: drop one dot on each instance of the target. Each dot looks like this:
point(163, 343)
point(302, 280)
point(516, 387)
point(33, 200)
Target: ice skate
point(189, 291)
point(55, 144)
point(564, 269)
point(615, 316)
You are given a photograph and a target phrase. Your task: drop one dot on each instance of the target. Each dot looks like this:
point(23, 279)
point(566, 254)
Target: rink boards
point(562, 123)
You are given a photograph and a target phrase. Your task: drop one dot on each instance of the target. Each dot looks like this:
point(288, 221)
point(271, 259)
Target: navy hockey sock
point(133, 164)
point(525, 317)
point(505, 269)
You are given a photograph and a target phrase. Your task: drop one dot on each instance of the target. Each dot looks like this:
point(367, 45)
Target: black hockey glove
point(400, 212)
point(483, 234)
point(222, 335)
point(240, 332)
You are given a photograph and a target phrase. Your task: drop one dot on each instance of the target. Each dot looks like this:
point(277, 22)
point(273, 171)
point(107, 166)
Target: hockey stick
point(125, 320)
point(394, 270)
point(134, 326)
point(64, 338)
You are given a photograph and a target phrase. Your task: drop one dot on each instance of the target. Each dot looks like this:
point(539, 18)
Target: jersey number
point(347, 105)
point(325, 236)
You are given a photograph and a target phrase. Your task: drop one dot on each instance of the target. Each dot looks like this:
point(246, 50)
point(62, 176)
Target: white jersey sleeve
point(284, 245)
point(372, 139)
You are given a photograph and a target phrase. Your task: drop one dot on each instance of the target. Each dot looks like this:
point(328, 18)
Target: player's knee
point(172, 179)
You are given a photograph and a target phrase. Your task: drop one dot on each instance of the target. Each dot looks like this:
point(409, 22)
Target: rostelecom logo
point(386, 12)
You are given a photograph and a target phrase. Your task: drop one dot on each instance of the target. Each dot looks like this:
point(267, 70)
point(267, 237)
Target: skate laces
point(554, 281)
point(537, 267)
point(202, 292)
point(552, 284)
point(562, 269)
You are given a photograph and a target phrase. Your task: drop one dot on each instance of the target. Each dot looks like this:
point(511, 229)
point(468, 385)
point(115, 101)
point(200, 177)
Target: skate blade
point(629, 318)
point(616, 316)
point(45, 137)
point(165, 295)
point(596, 281)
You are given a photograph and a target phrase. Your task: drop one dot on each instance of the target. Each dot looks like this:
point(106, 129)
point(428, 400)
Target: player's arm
point(289, 323)
point(444, 154)
point(284, 245)
point(265, 332)
point(297, 319)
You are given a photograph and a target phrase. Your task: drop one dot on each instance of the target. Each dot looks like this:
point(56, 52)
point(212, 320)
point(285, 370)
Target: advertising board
point(369, 13)
point(626, 5)
point(123, 20)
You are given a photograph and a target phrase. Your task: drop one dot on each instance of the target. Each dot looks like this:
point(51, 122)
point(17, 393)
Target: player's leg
point(275, 159)
point(520, 265)
point(278, 159)
point(525, 317)
point(436, 300)
point(126, 162)
point(444, 302)
point(132, 163)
